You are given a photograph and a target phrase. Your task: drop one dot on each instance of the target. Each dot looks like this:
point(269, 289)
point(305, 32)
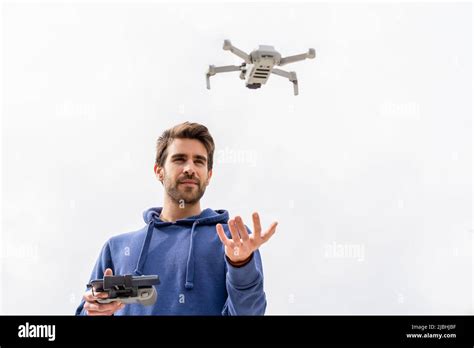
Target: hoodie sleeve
point(103, 262)
point(245, 288)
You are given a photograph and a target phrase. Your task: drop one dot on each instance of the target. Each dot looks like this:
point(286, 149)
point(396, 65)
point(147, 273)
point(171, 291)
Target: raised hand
point(241, 246)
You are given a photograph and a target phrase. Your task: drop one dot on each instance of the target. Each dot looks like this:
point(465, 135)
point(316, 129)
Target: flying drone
point(259, 64)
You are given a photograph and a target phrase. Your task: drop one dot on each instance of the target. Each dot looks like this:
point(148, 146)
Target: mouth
point(188, 182)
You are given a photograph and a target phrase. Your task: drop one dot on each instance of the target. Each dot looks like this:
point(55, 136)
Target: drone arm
point(229, 47)
point(225, 68)
point(220, 69)
point(291, 59)
point(290, 76)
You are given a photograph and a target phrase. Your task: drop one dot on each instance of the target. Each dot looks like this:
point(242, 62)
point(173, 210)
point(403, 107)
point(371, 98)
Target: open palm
point(242, 244)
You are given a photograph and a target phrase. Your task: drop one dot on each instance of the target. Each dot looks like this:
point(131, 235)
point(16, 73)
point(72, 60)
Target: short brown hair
point(186, 130)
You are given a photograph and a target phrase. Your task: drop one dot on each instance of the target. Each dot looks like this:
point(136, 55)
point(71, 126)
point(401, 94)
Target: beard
point(184, 194)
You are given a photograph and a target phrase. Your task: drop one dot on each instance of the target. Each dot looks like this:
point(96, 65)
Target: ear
point(159, 172)
point(209, 175)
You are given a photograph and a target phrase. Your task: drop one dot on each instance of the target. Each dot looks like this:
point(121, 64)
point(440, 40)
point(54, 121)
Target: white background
point(368, 170)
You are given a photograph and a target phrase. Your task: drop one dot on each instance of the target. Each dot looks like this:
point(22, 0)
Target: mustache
point(180, 181)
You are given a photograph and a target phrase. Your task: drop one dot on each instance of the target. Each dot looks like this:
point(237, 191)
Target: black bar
point(192, 330)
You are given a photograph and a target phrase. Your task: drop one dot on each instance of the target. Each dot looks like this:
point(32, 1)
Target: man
point(208, 264)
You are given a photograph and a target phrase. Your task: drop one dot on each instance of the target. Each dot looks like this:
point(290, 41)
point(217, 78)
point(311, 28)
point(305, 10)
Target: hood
point(152, 219)
point(207, 217)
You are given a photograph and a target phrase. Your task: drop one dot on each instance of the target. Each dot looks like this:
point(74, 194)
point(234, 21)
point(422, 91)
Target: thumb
point(108, 272)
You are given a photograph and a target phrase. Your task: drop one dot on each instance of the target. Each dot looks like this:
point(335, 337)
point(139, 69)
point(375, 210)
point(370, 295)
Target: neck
point(173, 211)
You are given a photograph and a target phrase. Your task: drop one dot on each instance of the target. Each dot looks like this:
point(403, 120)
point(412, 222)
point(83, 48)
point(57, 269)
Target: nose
point(189, 168)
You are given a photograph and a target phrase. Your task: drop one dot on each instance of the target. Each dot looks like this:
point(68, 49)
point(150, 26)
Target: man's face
point(185, 175)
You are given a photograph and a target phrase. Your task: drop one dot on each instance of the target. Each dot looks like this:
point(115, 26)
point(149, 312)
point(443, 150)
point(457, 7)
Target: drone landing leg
point(290, 76)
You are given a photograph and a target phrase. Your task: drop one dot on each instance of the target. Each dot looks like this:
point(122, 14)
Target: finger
point(108, 272)
point(102, 307)
point(257, 227)
point(95, 313)
point(234, 232)
point(88, 297)
point(111, 312)
point(267, 235)
point(242, 229)
point(98, 307)
point(222, 236)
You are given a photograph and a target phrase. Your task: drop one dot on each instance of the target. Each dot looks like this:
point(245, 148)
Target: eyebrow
point(182, 155)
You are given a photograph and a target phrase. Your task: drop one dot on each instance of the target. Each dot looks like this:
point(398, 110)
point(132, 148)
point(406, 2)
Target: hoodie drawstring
point(144, 251)
point(190, 264)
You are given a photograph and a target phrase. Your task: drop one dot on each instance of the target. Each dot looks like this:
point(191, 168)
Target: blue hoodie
point(189, 258)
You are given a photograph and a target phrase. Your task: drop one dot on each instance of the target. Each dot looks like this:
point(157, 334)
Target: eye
point(199, 162)
point(178, 160)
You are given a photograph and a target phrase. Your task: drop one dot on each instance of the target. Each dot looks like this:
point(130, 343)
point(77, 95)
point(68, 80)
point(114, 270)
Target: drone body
point(258, 65)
